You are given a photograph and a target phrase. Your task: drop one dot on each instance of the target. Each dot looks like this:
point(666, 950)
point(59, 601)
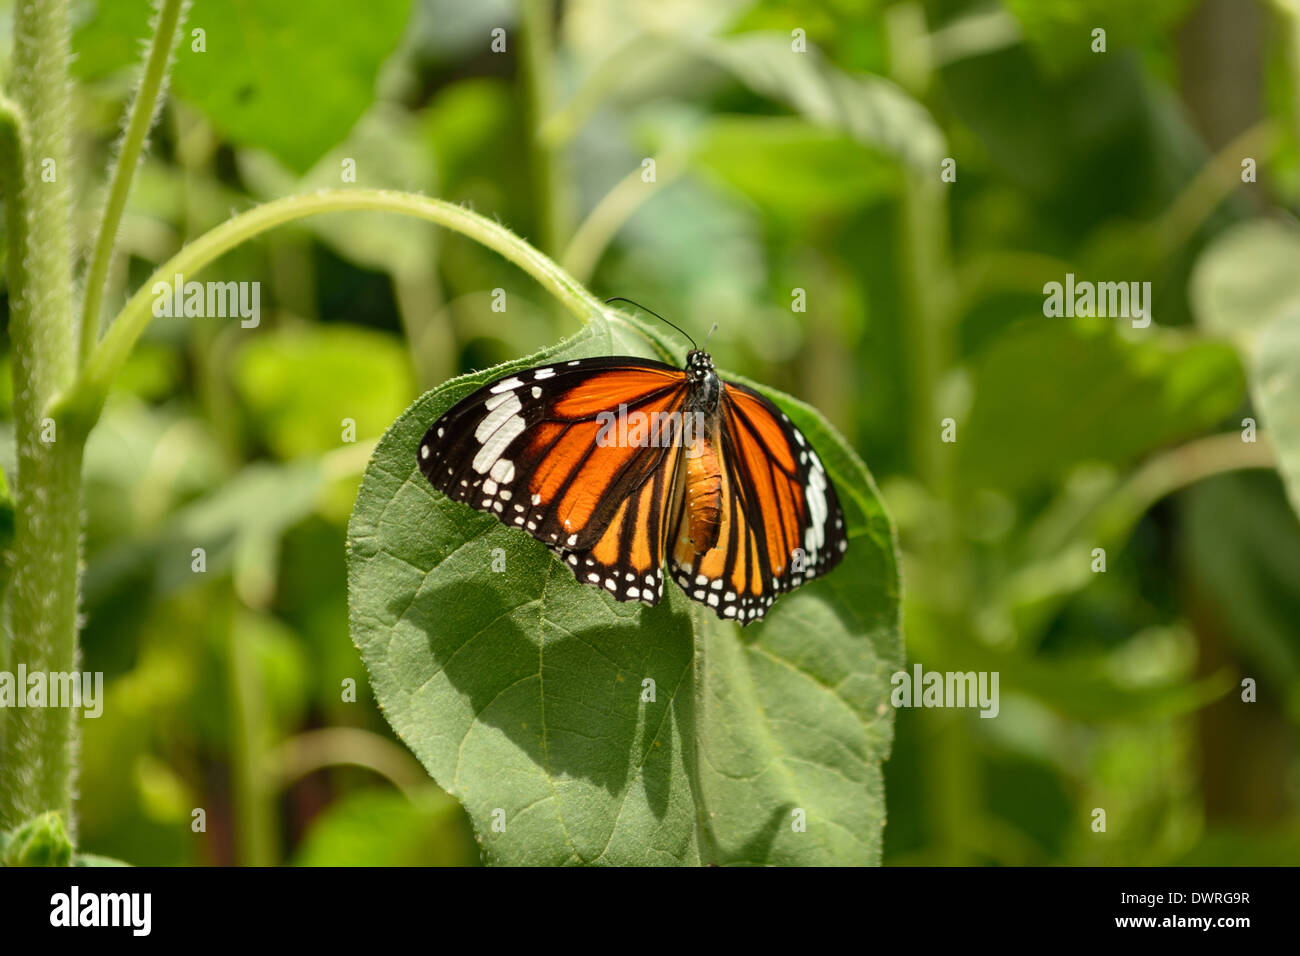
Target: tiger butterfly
point(617, 462)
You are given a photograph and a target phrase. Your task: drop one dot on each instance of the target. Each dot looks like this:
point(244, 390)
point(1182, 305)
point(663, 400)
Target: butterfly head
point(699, 363)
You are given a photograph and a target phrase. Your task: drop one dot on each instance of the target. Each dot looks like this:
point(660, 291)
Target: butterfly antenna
point(710, 335)
point(619, 298)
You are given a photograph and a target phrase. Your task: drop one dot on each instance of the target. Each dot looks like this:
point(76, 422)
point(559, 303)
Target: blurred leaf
point(1243, 548)
point(1080, 393)
point(389, 152)
point(1246, 279)
point(301, 385)
point(1239, 846)
point(281, 664)
point(559, 740)
point(290, 78)
point(1061, 32)
point(870, 109)
point(793, 169)
point(383, 828)
point(261, 500)
point(466, 122)
point(1246, 286)
point(1275, 386)
point(94, 859)
point(1084, 687)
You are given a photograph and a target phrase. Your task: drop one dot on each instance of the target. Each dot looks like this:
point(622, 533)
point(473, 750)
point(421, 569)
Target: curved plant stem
point(1164, 474)
point(613, 210)
point(37, 753)
point(346, 746)
point(83, 401)
point(143, 113)
point(1209, 187)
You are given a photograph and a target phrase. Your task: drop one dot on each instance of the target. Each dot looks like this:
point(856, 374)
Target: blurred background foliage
point(774, 171)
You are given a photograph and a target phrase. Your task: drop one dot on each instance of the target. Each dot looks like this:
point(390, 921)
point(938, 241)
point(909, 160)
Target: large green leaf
point(240, 80)
point(1246, 287)
point(521, 692)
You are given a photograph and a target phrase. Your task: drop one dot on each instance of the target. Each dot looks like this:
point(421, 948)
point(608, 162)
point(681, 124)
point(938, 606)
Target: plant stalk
point(39, 746)
point(143, 113)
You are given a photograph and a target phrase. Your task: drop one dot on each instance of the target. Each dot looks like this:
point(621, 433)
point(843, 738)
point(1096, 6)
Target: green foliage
point(1140, 395)
point(378, 828)
point(1246, 288)
point(522, 692)
point(336, 49)
point(41, 841)
point(299, 387)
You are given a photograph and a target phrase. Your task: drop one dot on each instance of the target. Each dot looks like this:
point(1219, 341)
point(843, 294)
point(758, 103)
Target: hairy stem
point(614, 209)
point(40, 742)
point(143, 113)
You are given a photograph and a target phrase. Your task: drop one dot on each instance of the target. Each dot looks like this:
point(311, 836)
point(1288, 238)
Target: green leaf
point(520, 692)
point(1242, 549)
point(40, 841)
point(301, 385)
point(383, 828)
point(792, 168)
point(389, 152)
point(1085, 394)
point(1062, 32)
point(241, 82)
point(253, 508)
point(870, 109)
point(1245, 287)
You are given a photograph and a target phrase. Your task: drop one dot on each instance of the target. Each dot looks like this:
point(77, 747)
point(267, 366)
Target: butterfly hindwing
point(781, 522)
point(628, 559)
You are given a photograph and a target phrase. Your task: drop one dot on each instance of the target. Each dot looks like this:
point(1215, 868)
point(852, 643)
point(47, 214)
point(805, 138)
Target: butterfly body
point(619, 464)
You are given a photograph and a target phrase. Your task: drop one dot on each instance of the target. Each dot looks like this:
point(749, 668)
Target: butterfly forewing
point(529, 448)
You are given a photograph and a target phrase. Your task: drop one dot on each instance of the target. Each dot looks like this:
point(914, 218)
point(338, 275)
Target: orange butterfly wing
point(529, 448)
point(781, 522)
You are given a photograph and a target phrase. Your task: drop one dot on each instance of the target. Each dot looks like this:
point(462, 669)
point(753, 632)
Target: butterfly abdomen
point(703, 494)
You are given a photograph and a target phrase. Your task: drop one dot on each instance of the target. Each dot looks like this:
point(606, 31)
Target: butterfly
point(618, 463)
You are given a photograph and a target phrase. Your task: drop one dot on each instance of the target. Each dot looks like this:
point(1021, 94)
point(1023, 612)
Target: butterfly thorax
point(705, 388)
